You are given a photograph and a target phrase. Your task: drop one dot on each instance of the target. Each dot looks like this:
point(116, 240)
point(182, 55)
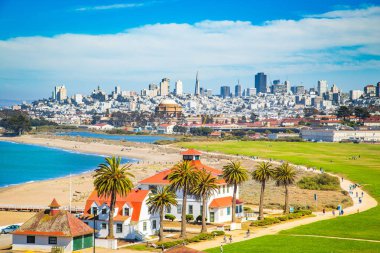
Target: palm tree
point(112, 179)
point(160, 200)
point(263, 173)
point(183, 177)
point(285, 175)
point(206, 186)
point(235, 174)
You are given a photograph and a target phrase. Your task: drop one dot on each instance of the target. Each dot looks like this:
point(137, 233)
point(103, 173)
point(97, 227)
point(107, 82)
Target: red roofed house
point(132, 220)
point(218, 206)
point(52, 227)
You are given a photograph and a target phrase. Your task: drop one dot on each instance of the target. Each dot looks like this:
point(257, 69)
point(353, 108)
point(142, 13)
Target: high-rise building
point(287, 85)
point(117, 90)
point(208, 92)
point(78, 98)
point(238, 90)
point(278, 88)
point(261, 82)
point(378, 90)
point(334, 89)
point(178, 88)
point(164, 87)
point(59, 93)
point(298, 90)
point(250, 92)
point(355, 94)
point(197, 90)
point(225, 91)
point(370, 90)
point(322, 87)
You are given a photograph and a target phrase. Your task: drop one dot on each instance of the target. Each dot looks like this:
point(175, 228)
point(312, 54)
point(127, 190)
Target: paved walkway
point(240, 235)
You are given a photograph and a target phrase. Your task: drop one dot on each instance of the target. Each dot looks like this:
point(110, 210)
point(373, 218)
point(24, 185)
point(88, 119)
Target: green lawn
point(333, 157)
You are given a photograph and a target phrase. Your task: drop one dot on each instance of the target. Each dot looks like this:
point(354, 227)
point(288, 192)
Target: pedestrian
point(324, 211)
point(356, 194)
point(230, 238)
point(225, 239)
point(362, 194)
point(248, 232)
point(342, 212)
point(333, 212)
point(342, 179)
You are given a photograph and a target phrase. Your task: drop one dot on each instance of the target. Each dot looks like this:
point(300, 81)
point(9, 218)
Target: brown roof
point(54, 203)
point(62, 223)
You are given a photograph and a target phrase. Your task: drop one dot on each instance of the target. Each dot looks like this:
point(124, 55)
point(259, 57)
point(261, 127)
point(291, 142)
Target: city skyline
point(339, 43)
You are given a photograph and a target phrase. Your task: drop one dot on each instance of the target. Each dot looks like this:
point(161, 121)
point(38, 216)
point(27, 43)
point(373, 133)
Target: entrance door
point(212, 216)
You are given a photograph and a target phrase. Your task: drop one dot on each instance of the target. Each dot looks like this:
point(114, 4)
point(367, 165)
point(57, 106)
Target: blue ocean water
point(133, 138)
point(21, 163)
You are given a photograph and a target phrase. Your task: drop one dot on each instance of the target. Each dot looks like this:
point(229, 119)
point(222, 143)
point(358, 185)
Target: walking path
point(368, 202)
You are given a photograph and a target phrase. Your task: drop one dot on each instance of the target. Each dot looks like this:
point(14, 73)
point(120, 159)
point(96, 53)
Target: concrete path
point(240, 235)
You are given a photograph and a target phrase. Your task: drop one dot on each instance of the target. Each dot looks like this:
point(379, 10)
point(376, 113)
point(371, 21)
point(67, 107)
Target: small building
point(219, 204)
point(276, 136)
point(132, 221)
point(101, 126)
point(331, 135)
point(168, 108)
point(165, 129)
point(53, 228)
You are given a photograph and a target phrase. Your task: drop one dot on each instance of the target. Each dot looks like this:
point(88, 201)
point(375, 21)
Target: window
point(52, 240)
point(228, 189)
point(30, 239)
point(154, 224)
point(119, 228)
point(228, 210)
point(104, 225)
point(201, 209)
point(179, 209)
point(126, 211)
point(219, 190)
point(224, 189)
point(94, 210)
point(221, 212)
point(104, 211)
point(144, 226)
point(190, 209)
point(168, 209)
point(86, 222)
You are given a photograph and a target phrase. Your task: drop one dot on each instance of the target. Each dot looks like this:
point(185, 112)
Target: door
point(212, 216)
point(77, 244)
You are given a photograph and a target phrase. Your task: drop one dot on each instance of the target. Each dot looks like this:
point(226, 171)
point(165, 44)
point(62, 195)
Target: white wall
point(41, 243)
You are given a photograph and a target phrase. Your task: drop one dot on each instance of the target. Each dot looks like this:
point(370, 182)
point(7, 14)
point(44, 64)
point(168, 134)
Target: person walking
point(225, 239)
point(333, 212)
point(362, 194)
point(324, 211)
point(356, 194)
point(230, 238)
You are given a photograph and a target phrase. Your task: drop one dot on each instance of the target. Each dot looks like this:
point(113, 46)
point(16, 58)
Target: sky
point(83, 44)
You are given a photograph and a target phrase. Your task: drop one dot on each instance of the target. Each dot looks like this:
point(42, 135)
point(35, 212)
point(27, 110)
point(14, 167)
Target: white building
point(165, 129)
point(101, 126)
point(219, 205)
point(355, 94)
point(131, 217)
point(164, 87)
point(330, 135)
point(178, 88)
point(52, 228)
point(322, 87)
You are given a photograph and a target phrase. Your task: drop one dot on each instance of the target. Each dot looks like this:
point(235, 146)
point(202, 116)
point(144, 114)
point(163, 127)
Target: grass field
point(332, 157)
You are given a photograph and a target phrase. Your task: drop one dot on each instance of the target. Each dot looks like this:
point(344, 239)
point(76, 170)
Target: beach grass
point(358, 162)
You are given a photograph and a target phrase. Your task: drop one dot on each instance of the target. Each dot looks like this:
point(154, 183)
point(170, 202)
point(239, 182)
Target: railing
point(32, 208)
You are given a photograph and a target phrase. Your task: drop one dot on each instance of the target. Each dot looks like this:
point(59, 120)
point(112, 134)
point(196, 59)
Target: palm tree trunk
point(183, 221)
point(161, 231)
point(286, 199)
point(204, 228)
point(234, 203)
point(112, 210)
point(261, 206)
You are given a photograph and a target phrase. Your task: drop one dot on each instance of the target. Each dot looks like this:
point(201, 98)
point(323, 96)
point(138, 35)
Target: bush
point(283, 218)
point(248, 209)
point(167, 245)
point(189, 217)
point(217, 232)
point(304, 212)
point(170, 217)
point(265, 222)
point(199, 218)
point(323, 182)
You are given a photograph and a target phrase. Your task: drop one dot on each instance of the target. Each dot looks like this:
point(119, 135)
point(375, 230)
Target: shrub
point(217, 232)
point(265, 222)
point(248, 209)
point(199, 218)
point(170, 217)
point(304, 212)
point(167, 245)
point(189, 217)
point(322, 182)
point(283, 218)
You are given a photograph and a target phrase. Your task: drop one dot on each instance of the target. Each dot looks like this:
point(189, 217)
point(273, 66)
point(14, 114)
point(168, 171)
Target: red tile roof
point(134, 199)
point(223, 202)
point(54, 203)
point(62, 223)
point(162, 177)
point(191, 152)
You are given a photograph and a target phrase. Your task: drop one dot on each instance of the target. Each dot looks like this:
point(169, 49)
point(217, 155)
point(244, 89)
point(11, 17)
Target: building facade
point(261, 82)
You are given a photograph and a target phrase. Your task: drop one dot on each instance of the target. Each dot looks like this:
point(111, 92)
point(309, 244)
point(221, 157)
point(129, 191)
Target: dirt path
point(368, 202)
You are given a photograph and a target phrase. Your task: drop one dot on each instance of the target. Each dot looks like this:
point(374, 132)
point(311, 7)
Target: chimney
point(54, 207)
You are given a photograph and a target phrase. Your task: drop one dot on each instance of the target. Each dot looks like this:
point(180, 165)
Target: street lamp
point(93, 248)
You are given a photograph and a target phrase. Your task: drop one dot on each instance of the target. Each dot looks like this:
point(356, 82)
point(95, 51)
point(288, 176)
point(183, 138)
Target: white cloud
point(221, 50)
point(109, 7)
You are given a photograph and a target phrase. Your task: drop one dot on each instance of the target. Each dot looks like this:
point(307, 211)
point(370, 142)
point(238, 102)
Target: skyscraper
point(238, 90)
point(197, 87)
point(117, 90)
point(178, 88)
point(261, 82)
point(287, 84)
point(164, 87)
point(322, 87)
point(225, 91)
point(59, 93)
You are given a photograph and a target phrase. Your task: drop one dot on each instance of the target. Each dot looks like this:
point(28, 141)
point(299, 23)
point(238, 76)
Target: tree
point(361, 112)
point(112, 179)
point(308, 112)
point(15, 121)
point(183, 177)
point(285, 175)
point(262, 174)
point(343, 112)
point(235, 174)
point(157, 202)
point(206, 186)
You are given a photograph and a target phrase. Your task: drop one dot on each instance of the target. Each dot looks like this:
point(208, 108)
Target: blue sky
point(83, 44)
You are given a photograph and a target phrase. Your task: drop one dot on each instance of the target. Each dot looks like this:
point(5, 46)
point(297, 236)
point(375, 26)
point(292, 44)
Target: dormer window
point(104, 211)
point(94, 210)
point(126, 211)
